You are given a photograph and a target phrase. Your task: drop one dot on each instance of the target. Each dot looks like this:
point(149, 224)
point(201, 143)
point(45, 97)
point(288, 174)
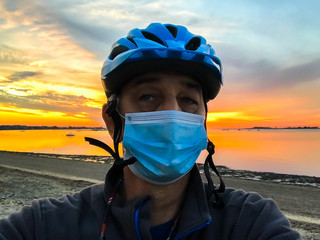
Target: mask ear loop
point(216, 193)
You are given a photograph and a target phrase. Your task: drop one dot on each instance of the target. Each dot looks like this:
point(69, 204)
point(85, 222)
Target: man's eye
point(146, 98)
point(188, 100)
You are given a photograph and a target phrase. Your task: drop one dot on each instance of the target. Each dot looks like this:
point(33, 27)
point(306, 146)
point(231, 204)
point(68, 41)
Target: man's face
point(157, 91)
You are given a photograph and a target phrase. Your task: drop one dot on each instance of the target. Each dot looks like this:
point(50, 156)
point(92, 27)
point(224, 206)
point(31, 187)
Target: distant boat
point(69, 135)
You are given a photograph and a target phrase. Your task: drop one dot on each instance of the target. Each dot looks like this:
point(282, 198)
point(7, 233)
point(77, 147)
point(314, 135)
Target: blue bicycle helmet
point(162, 47)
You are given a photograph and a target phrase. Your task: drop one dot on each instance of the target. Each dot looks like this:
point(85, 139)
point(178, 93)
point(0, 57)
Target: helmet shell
point(162, 47)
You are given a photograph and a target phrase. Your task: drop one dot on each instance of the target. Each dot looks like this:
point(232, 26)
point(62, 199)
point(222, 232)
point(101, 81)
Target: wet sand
point(56, 175)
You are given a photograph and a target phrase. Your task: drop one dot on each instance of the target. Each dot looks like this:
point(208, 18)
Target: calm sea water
point(280, 151)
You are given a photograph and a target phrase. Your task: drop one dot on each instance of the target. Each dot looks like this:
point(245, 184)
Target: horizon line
point(25, 127)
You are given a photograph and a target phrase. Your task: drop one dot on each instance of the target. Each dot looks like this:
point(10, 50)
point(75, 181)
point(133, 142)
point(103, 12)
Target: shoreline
point(66, 175)
point(281, 178)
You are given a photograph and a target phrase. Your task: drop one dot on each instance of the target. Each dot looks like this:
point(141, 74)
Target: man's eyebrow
point(139, 81)
point(193, 85)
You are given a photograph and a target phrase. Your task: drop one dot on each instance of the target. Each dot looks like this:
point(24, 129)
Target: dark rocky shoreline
point(298, 180)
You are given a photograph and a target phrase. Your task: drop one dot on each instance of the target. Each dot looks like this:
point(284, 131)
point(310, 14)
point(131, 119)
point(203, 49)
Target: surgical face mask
point(166, 144)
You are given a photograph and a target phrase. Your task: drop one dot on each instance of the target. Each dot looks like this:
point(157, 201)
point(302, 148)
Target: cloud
point(13, 55)
point(263, 72)
point(95, 25)
point(22, 75)
point(304, 72)
point(104, 23)
point(48, 101)
point(90, 36)
point(53, 30)
point(265, 75)
point(59, 25)
point(10, 5)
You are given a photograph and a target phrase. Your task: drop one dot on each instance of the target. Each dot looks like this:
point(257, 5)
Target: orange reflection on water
point(282, 151)
point(285, 151)
point(53, 141)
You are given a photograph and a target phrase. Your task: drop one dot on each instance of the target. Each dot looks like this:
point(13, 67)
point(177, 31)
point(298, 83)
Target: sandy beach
point(56, 175)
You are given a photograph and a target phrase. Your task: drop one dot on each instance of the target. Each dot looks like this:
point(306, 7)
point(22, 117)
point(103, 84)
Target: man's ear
point(108, 121)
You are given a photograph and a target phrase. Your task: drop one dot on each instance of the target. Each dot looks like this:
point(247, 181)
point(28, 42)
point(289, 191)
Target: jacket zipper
point(136, 221)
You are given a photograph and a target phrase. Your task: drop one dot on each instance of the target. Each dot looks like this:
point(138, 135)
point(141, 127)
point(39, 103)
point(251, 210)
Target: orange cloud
point(21, 116)
point(216, 116)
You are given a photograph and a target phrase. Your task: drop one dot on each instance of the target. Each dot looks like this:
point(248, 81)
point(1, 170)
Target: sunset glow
point(51, 55)
point(231, 115)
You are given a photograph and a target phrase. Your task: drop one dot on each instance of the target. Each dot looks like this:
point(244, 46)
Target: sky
point(51, 54)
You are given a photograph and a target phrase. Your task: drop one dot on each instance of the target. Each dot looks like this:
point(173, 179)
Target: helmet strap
point(111, 111)
point(216, 192)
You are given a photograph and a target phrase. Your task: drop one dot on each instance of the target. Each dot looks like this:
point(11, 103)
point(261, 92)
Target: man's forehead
point(155, 77)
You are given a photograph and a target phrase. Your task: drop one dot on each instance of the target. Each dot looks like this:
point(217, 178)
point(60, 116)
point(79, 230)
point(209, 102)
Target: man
point(158, 81)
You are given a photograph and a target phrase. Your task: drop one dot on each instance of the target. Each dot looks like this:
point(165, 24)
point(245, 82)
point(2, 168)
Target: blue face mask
point(165, 143)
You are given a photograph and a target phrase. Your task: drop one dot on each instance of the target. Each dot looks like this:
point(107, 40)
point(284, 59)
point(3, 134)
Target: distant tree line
point(305, 127)
point(25, 127)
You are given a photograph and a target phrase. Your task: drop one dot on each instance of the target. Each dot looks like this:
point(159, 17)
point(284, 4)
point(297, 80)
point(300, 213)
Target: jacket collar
point(194, 213)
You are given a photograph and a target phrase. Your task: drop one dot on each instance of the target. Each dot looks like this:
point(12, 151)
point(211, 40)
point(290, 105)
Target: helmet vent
point(117, 50)
point(193, 44)
point(172, 30)
point(153, 37)
point(131, 40)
